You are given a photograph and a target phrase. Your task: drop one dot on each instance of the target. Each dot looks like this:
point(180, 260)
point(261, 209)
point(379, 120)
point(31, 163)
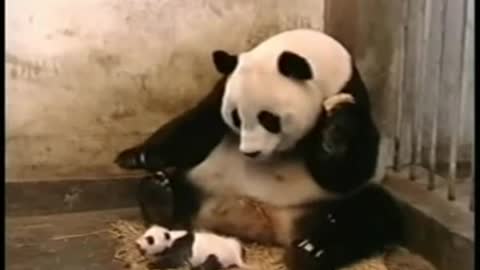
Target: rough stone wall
point(88, 78)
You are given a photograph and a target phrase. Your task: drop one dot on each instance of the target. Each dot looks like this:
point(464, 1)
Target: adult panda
point(264, 133)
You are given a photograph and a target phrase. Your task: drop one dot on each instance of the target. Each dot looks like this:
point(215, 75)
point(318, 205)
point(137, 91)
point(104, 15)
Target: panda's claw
point(319, 253)
point(307, 246)
point(162, 178)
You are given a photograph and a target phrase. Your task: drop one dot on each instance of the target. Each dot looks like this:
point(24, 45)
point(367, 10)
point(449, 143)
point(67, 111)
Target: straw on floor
point(260, 257)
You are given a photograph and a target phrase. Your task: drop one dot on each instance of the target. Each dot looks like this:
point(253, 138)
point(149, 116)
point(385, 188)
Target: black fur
point(294, 66)
point(177, 255)
point(340, 152)
point(178, 144)
point(158, 205)
point(224, 62)
point(211, 263)
point(344, 231)
point(155, 200)
point(180, 252)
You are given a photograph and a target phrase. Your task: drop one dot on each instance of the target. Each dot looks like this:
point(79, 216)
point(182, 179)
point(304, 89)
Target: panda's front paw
point(306, 255)
point(333, 103)
point(130, 159)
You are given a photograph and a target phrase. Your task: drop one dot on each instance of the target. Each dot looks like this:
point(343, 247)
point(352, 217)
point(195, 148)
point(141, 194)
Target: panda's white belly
point(281, 183)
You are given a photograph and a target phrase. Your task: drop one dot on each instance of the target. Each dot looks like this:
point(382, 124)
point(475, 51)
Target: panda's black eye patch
point(236, 118)
point(269, 121)
point(167, 236)
point(150, 240)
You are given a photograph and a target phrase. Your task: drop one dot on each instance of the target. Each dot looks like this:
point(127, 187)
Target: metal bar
point(400, 85)
point(472, 193)
point(413, 20)
point(464, 73)
point(457, 113)
point(470, 16)
point(424, 56)
point(432, 159)
point(458, 133)
point(422, 20)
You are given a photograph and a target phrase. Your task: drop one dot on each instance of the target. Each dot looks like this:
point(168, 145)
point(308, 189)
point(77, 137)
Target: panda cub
point(288, 126)
point(199, 250)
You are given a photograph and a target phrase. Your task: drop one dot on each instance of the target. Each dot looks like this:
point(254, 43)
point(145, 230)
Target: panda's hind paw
point(310, 248)
point(305, 255)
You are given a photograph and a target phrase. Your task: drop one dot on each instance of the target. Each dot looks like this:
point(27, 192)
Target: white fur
point(279, 182)
point(228, 250)
point(256, 85)
point(160, 244)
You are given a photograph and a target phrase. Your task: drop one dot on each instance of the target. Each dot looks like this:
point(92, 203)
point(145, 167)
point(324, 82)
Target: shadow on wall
point(88, 78)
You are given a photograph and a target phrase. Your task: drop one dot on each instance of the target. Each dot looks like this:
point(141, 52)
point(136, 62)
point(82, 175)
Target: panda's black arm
point(184, 141)
point(344, 148)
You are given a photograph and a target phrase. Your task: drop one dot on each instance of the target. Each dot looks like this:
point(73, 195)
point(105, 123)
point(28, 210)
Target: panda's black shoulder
point(356, 87)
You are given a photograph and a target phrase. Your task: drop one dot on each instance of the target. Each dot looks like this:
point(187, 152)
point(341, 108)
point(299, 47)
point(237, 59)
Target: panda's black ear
point(294, 66)
point(224, 62)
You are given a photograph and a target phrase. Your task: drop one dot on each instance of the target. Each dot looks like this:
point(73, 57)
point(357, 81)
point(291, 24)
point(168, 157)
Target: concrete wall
point(88, 78)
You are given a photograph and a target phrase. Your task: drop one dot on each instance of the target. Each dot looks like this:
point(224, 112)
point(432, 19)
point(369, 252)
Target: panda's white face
point(154, 241)
point(274, 92)
point(271, 113)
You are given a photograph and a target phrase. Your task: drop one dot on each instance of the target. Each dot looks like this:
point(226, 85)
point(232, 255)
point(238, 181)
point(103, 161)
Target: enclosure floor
point(77, 241)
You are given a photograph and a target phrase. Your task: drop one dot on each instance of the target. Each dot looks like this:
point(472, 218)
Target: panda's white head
point(274, 92)
point(154, 241)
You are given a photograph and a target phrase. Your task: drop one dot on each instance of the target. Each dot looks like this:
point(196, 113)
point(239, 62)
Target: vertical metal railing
point(434, 92)
point(403, 40)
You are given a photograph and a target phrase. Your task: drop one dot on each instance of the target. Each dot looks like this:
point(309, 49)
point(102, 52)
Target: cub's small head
point(274, 93)
point(154, 242)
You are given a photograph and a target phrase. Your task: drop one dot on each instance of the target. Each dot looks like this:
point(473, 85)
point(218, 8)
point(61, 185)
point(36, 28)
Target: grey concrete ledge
point(46, 197)
point(441, 231)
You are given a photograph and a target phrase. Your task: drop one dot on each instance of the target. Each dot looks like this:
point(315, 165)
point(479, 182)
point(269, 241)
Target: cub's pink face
point(154, 242)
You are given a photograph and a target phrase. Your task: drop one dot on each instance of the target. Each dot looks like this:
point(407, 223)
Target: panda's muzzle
point(140, 249)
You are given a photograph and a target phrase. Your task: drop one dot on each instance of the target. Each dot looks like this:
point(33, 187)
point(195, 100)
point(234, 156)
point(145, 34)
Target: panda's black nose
point(252, 154)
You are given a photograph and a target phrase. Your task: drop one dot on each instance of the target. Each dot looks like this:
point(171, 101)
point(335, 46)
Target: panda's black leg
point(345, 231)
point(155, 198)
point(168, 200)
point(187, 200)
point(211, 263)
